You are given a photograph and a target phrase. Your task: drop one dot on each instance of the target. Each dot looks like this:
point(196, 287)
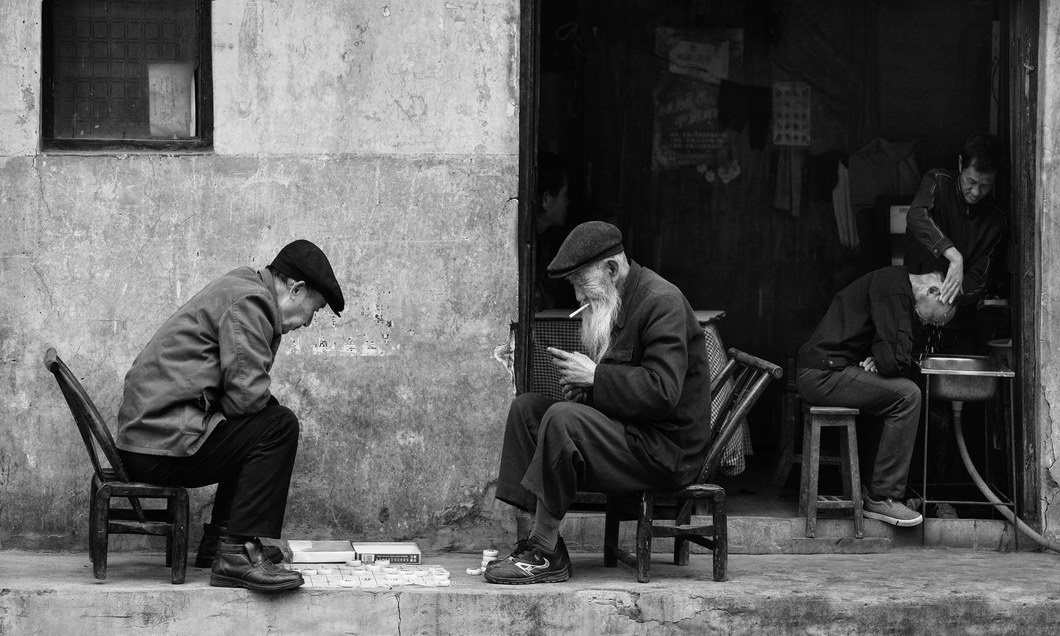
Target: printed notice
point(171, 89)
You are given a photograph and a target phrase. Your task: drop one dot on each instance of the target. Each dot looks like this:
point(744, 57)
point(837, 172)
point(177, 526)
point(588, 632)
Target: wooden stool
point(814, 420)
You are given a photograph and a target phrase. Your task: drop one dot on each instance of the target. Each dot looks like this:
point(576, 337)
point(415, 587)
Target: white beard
point(600, 319)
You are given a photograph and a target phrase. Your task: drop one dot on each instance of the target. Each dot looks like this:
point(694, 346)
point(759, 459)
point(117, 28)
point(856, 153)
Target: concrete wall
point(1048, 400)
point(386, 133)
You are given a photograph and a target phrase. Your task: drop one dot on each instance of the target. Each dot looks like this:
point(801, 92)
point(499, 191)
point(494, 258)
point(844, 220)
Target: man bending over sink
point(860, 356)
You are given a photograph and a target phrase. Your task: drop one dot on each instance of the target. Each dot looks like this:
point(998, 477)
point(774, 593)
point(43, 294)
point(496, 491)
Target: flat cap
point(588, 242)
point(302, 260)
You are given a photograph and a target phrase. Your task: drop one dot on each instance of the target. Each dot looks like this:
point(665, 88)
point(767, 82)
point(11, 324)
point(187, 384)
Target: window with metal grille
point(127, 74)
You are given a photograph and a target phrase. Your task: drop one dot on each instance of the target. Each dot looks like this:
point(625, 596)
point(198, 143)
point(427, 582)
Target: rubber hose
point(991, 497)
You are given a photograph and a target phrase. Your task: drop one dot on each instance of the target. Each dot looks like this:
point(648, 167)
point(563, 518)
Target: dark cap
point(586, 243)
point(302, 260)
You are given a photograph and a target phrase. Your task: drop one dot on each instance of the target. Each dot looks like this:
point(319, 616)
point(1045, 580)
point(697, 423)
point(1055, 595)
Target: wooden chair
point(740, 384)
point(113, 482)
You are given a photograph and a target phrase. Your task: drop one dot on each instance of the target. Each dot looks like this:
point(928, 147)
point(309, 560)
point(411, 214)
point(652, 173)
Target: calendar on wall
point(791, 114)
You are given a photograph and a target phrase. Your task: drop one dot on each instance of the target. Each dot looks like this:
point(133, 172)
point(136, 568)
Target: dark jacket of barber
point(873, 316)
point(940, 218)
point(655, 378)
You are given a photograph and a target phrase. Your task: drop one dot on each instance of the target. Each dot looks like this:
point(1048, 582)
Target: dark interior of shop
point(710, 132)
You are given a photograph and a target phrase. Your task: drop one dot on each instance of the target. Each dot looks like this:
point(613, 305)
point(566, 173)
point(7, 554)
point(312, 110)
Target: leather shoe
point(245, 565)
point(211, 536)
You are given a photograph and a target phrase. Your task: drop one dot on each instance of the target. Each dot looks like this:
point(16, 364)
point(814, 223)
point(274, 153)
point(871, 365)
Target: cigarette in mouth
point(578, 310)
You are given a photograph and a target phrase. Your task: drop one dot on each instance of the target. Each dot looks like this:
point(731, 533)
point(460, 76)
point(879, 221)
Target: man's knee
point(529, 403)
point(909, 392)
point(527, 410)
point(563, 418)
point(284, 423)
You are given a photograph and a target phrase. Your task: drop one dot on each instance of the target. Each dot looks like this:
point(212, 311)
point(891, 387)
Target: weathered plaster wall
point(388, 134)
point(1049, 277)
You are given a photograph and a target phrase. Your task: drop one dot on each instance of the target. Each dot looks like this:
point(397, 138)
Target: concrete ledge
point(779, 535)
point(904, 591)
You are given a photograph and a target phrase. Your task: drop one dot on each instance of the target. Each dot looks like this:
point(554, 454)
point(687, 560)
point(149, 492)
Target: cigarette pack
point(393, 551)
point(303, 551)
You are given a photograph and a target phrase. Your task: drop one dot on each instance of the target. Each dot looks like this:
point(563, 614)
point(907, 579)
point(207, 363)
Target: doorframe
point(529, 101)
point(1025, 216)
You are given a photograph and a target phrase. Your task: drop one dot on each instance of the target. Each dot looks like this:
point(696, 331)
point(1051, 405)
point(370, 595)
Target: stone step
point(786, 535)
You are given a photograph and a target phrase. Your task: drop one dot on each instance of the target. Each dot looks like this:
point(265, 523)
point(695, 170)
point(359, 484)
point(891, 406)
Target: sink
point(962, 378)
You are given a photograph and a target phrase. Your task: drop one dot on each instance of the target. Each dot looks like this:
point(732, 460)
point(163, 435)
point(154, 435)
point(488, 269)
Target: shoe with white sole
point(889, 511)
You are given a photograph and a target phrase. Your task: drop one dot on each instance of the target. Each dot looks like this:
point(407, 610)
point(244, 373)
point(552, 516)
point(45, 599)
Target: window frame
point(203, 139)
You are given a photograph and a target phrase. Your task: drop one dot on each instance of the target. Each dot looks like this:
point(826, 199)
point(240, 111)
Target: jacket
point(873, 316)
point(940, 218)
point(655, 378)
point(210, 361)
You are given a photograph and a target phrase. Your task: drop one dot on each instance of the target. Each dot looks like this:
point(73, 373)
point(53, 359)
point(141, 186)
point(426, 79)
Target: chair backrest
point(89, 422)
point(747, 378)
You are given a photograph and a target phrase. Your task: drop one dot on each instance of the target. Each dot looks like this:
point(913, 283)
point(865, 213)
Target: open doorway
point(710, 134)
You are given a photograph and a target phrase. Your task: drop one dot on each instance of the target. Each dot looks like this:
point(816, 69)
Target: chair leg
point(855, 480)
point(844, 465)
point(612, 523)
point(92, 523)
point(804, 472)
point(100, 521)
point(681, 545)
point(178, 542)
point(721, 538)
point(647, 508)
point(813, 465)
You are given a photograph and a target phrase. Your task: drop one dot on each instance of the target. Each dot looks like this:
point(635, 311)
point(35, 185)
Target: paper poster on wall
point(686, 131)
point(171, 93)
point(791, 114)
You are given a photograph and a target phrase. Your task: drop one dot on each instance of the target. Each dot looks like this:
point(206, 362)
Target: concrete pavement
point(903, 591)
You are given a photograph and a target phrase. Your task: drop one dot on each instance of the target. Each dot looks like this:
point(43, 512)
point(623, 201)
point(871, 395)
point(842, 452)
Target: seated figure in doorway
point(860, 356)
point(635, 411)
point(198, 410)
point(551, 203)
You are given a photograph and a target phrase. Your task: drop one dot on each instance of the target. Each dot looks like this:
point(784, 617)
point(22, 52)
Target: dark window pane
point(96, 80)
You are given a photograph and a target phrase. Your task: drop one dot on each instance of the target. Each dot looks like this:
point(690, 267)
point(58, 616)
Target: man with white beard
point(634, 410)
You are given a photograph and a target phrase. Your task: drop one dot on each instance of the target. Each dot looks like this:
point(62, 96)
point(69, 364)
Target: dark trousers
point(249, 458)
point(553, 449)
point(895, 400)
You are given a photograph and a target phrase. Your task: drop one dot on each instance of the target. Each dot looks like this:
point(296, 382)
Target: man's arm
point(922, 226)
point(892, 344)
point(919, 221)
point(650, 390)
point(245, 335)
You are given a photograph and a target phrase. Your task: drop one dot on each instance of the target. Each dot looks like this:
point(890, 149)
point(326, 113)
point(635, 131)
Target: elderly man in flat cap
point(634, 409)
point(197, 409)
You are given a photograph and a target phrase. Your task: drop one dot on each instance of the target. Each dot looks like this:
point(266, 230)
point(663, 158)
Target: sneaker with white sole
point(530, 563)
point(889, 511)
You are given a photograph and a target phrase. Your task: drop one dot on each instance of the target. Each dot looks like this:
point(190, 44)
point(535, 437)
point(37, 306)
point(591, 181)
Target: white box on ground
point(393, 551)
point(307, 551)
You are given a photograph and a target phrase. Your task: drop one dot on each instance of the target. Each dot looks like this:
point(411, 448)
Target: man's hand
point(951, 287)
point(573, 393)
point(869, 364)
point(575, 369)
